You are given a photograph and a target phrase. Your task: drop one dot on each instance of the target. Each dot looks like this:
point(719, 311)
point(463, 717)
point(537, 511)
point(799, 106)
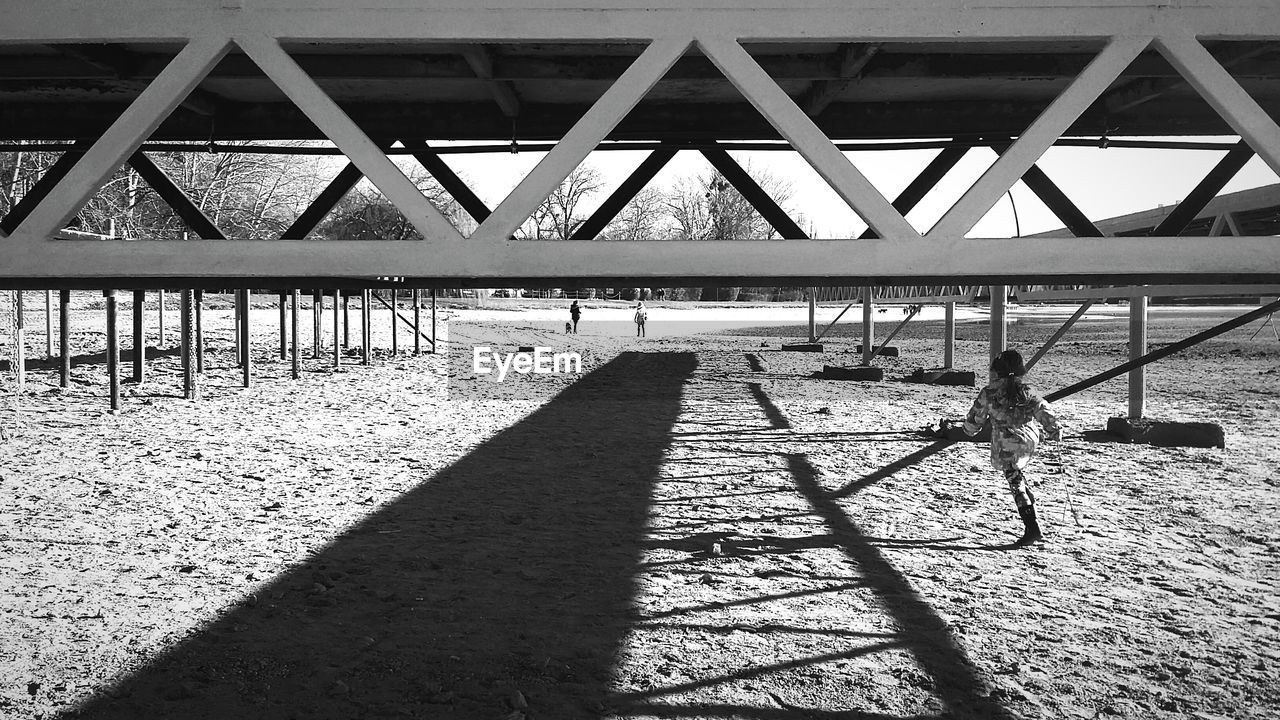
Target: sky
point(1102, 182)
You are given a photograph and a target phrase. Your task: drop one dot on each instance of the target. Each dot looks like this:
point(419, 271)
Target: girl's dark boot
point(1032, 533)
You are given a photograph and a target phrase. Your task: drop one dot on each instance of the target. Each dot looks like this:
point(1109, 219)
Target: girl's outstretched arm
point(977, 416)
point(1044, 415)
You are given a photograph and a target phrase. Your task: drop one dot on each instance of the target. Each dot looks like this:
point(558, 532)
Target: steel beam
point(113, 349)
point(586, 134)
point(1165, 351)
point(854, 58)
point(1252, 123)
point(949, 336)
point(1138, 92)
point(791, 122)
point(448, 179)
point(928, 178)
point(868, 327)
point(875, 352)
point(122, 65)
point(966, 260)
point(324, 203)
point(1206, 190)
point(64, 337)
point(1037, 138)
point(577, 20)
point(139, 337)
point(635, 182)
point(42, 187)
point(755, 195)
point(999, 328)
point(338, 127)
point(504, 93)
point(1137, 349)
point(1057, 201)
point(1178, 291)
point(1057, 334)
point(175, 197)
point(123, 138)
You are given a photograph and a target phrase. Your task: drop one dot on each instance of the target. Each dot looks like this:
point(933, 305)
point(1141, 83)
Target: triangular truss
point(1017, 158)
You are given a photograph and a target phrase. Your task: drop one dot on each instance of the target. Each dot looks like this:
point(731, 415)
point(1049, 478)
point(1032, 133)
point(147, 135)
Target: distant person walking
point(575, 313)
point(640, 317)
point(1020, 419)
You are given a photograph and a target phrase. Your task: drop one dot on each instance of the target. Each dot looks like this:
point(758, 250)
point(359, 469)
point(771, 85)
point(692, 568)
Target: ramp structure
point(106, 83)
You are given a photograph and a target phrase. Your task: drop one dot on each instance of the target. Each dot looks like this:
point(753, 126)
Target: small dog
point(568, 328)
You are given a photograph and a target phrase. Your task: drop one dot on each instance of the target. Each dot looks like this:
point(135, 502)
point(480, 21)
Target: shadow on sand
point(957, 681)
point(495, 575)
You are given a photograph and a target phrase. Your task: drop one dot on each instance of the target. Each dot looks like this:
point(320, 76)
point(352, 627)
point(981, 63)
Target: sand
point(695, 528)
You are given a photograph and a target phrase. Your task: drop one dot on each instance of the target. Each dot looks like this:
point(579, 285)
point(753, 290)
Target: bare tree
point(643, 218)
point(560, 215)
point(366, 214)
point(708, 207)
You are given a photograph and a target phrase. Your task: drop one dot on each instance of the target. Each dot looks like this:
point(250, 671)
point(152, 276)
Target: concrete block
point(888, 351)
point(1163, 433)
point(943, 376)
point(833, 372)
point(804, 347)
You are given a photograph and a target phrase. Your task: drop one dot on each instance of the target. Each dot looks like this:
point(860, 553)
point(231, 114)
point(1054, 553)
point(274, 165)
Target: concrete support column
point(64, 336)
point(113, 349)
point(48, 324)
point(139, 337)
point(1137, 348)
point(160, 340)
point(999, 327)
point(284, 325)
point(245, 351)
point(19, 341)
point(868, 327)
point(949, 337)
point(337, 328)
point(813, 315)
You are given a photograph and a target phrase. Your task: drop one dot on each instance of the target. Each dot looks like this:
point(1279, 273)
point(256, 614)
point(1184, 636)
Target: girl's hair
point(1008, 365)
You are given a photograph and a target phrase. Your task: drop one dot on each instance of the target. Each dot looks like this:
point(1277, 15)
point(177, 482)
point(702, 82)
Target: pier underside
point(110, 86)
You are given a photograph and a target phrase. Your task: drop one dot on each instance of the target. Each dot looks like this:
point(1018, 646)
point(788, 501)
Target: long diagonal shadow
point(924, 632)
point(511, 569)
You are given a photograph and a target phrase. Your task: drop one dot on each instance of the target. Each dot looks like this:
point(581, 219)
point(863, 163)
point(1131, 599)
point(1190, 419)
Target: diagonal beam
point(503, 92)
point(1164, 352)
point(324, 203)
point(585, 135)
point(928, 178)
point(448, 179)
point(338, 127)
point(1138, 92)
point(43, 186)
point(123, 65)
point(1208, 189)
point(785, 116)
point(754, 194)
point(1057, 334)
point(634, 183)
point(1042, 133)
point(175, 198)
point(126, 135)
point(1224, 94)
point(1053, 198)
point(1057, 201)
point(854, 58)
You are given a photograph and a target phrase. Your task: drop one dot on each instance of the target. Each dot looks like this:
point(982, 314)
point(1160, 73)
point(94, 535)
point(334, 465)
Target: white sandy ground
point(698, 529)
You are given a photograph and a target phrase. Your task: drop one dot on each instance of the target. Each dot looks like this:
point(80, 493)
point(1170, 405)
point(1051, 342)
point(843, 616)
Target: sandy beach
point(693, 527)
